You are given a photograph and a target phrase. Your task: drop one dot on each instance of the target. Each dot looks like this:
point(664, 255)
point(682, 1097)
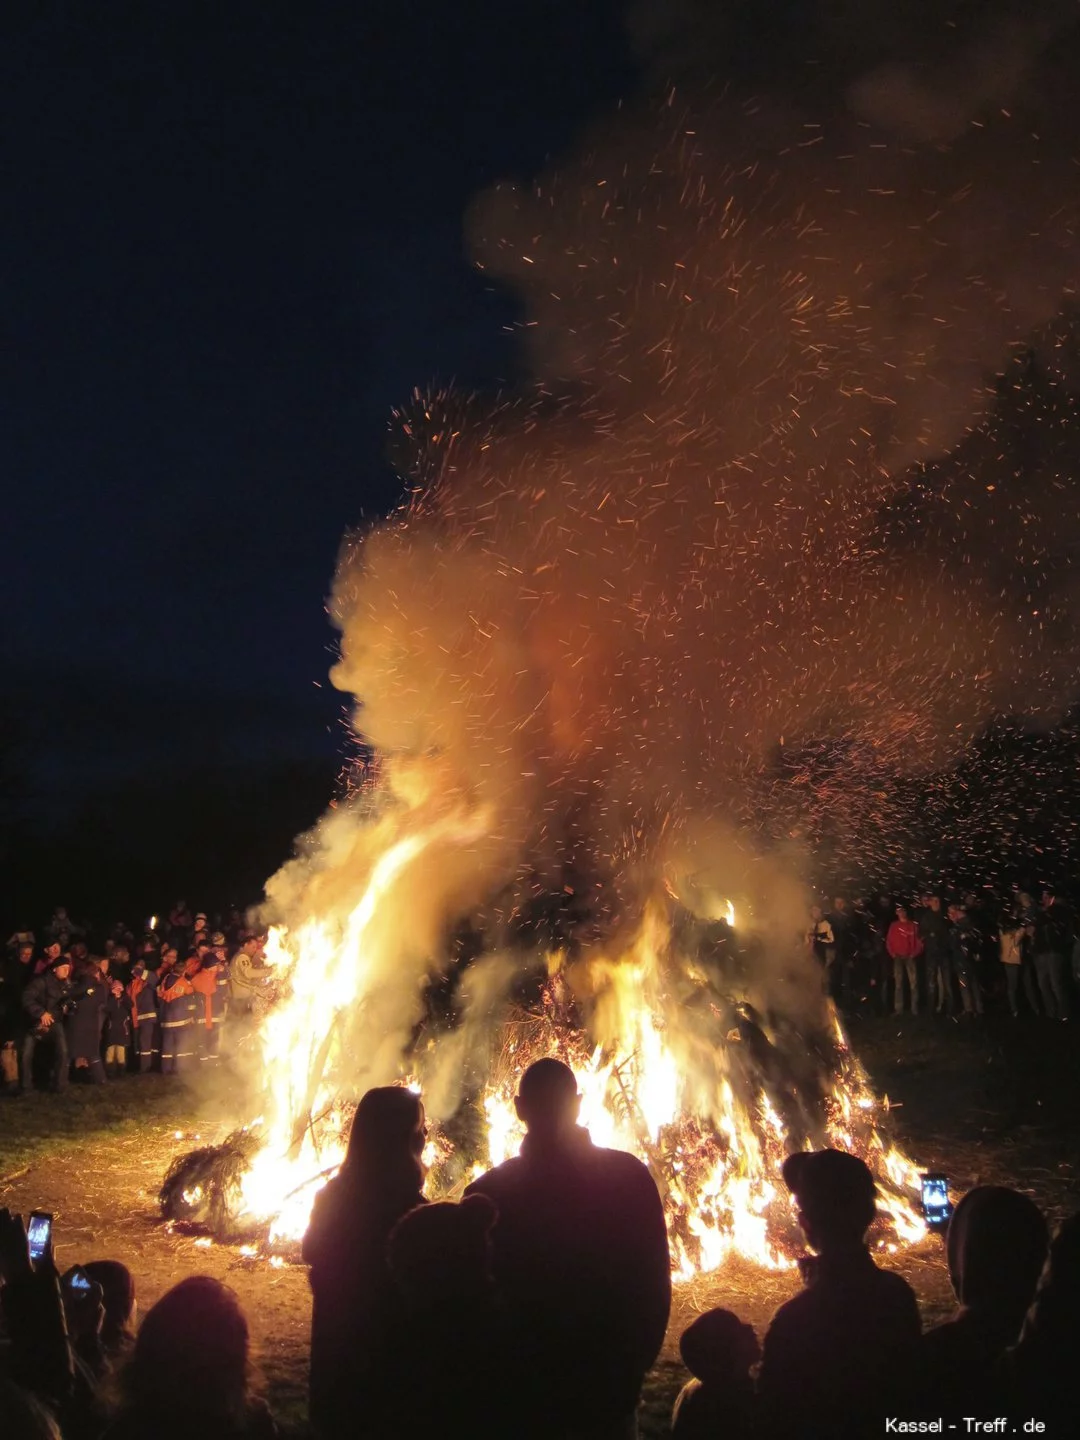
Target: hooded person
point(996, 1244)
point(356, 1313)
point(837, 1355)
point(1042, 1367)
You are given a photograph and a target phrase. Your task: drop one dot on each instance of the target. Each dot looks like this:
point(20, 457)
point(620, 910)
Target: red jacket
point(903, 942)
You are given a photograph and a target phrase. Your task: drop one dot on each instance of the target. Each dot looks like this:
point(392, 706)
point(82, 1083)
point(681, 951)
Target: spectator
point(178, 1008)
point(46, 1001)
point(248, 977)
point(997, 1244)
point(118, 1300)
point(117, 1028)
point(355, 1316)
point(965, 944)
point(904, 945)
point(581, 1258)
point(121, 963)
point(879, 915)
point(181, 922)
point(1052, 943)
point(1015, 941)
point(38, 1356)
point(440, 1261)
point(719, 1351)
point(820, 938)
point(934, 932)
point(835, 1356)
point(49, 956)
point(1043, 1363)
point(210, 983)
point(24, 1417)
point(142, 997)
point(842, 923)
point(60, 928)
point(198, 1334)
point(85, 1020)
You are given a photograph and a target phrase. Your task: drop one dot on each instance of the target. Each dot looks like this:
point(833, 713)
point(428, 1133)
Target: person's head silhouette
point(835, 1195)
point(387, 1136)
point(997, 1245)
point(547, 1101)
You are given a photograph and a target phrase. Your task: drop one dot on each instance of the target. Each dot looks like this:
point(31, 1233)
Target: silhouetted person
point(581, 1258)
point(997, 1244)
point(118, 1299)
point(718, 1350)
point(354, 1310)
point(189, 1374)
point(835, 1355)
point(1043, 1364)
point(458, 1357)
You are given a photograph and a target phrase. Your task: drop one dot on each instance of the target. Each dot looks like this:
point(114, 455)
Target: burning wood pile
point(676, 1061)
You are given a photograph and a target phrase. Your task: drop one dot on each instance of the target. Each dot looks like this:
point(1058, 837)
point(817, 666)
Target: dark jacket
point(142, 993)
point(581, 1258)
point(356, 1316)
point(835, 1354)
point(934, 928)
point(47, 993)
point(117, 1029)
point(87, 1016)
point(1053, 930)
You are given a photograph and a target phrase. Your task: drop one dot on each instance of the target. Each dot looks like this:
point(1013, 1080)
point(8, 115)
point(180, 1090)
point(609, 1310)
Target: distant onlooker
point(934, 930)
point(84, 1023)
point(1053, 940)
point(46, 1001)
point(904, 944)
point(719, 1350)
point(835, 1356)
point(116, 1032)
point(820, 937)
point(965, 944)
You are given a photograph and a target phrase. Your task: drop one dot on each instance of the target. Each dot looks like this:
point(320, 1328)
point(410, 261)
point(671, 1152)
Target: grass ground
point(990, 1102)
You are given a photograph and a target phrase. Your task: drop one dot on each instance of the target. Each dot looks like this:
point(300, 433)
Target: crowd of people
point(534, 1307)
point(162, 1003)
point(949, 954)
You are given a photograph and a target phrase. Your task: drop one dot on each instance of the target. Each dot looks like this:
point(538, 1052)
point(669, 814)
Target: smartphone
point(39, 1234)
point(935, 1199)
point(79, 1282)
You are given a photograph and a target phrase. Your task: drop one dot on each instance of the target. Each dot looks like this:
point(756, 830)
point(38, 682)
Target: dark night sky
point(234, 241)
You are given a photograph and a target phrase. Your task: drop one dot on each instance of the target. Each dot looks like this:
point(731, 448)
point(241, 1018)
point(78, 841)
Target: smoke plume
point(614, 596)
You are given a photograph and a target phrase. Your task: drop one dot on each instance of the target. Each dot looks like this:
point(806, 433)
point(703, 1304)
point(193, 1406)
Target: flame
point(661, 1073)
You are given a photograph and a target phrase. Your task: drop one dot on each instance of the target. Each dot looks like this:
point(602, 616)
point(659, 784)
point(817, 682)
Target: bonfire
point(679, 1060)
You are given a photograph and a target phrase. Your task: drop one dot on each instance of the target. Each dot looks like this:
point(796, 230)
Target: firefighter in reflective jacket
point(211, 985)
point(177, 1022)
point(142, 991)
